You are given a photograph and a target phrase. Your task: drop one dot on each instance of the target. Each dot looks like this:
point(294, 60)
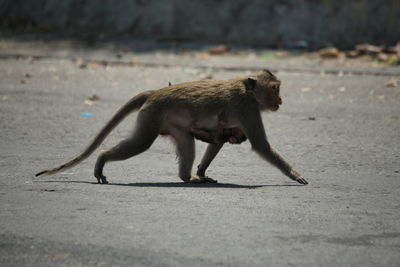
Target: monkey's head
point(266, 88)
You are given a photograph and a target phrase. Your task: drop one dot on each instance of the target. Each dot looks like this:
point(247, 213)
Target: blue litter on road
point(86, 114)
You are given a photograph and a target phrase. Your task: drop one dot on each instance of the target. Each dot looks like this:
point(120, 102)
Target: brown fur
point(221, 135)
point(174, 110)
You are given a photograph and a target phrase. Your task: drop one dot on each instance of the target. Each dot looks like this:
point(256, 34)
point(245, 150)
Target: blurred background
point(292, 24)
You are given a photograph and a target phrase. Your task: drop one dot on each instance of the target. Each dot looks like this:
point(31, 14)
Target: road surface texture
point(340, 129)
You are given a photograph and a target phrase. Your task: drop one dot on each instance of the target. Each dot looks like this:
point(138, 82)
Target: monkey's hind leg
point(185, 150)
point(209, 155)
point(186, 153)
point(146, 131)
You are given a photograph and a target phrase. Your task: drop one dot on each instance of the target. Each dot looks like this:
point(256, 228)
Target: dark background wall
point(275, 23)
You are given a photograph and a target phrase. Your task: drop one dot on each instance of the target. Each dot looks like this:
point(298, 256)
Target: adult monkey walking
point(174, 110)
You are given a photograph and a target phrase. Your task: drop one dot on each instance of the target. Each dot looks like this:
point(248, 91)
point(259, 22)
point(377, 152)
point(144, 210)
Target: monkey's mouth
point(274, 107)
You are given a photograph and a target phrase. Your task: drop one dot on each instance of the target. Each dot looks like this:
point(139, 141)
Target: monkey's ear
point(250, 83)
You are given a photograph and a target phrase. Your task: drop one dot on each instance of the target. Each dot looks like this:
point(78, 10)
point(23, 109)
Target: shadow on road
point(180, 184)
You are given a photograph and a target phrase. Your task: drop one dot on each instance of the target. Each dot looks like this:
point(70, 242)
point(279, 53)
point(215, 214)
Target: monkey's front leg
point(209, 155)
point(271, 155)
point(254, 130)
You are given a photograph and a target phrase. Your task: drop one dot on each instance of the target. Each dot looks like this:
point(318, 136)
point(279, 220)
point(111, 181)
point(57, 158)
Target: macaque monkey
point(175, 109)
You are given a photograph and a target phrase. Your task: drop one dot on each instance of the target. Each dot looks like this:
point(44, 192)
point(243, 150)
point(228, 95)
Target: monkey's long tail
point(133, 104)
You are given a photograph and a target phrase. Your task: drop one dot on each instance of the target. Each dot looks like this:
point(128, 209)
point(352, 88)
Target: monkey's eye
point(276, 87)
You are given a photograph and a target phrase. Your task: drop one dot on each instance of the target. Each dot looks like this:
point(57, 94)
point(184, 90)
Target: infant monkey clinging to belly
point(220, 135)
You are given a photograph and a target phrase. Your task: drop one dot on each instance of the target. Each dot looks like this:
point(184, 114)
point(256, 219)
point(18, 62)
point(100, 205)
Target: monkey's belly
point(208, 123)
point(185, 120)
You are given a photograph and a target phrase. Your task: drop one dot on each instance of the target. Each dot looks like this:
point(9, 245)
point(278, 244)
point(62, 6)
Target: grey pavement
point(339, 128)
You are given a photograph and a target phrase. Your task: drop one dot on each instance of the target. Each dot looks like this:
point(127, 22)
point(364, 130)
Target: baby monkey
point(220, 135)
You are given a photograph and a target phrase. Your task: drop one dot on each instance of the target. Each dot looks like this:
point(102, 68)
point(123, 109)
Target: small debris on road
point(353, 54)
point(385, 54)
point(329, 52)
point(382, 57)
point(268, 56)
point(91, 100)
point(81, 63)
point(205, 76)
point(86, 114)
point(190, 70)
point(391, 83)
point(94, 97)
point(219, 50)
point(135, 60)
point(203, 55)
point(368, 49)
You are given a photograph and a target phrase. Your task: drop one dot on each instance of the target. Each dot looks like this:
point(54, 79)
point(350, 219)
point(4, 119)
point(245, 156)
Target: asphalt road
point(341, 131)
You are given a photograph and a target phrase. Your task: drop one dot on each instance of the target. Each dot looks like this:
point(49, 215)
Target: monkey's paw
point(297, 177)
point(102, 179)
point(202, 180)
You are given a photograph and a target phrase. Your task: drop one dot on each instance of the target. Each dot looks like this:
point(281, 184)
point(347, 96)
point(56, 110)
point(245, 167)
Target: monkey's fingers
point(297, 177)
point(202, 180)
point(102, 180)
point(302, 181)
point(209, 180)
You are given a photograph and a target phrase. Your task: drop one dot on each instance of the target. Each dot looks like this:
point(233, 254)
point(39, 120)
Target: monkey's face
point(266, 88)
point(272, 96)
point(268, 94)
